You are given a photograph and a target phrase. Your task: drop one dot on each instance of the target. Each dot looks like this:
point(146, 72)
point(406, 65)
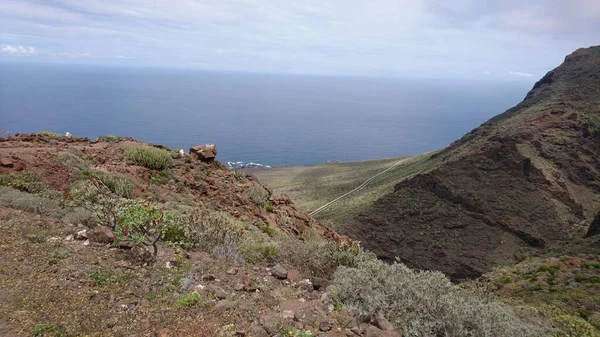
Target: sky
point(462, 39)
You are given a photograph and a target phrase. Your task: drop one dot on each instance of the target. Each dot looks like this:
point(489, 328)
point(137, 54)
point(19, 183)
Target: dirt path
point(361, 186)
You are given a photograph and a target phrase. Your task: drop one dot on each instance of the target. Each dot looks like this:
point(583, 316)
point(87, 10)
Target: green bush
point(424, 303)
point(572, 326)
point(119, 184)
point(268, 230)
point(25, 181)
point(141, 223)
point(48, 330)
point(149, 157)
point(190, 299)
point(257, 195)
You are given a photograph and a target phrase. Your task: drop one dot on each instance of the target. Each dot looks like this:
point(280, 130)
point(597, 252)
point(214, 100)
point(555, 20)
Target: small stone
point(199, 287)
point(238, 287)
point(232, 271)
point(208, 277)
point(220, 294)
point(305, 285)
point(81, 235)
point(298, 325)
point(382, 323)
point(279, 272)
point(86, 243)
point(225, 304)
point(186, 282)
point(69, 238)
point(255, 268)
point(288, 314)
point(373, 331)
point(161, 333)
point(102, 234)
point(320, 283)
point(324, 326)
point(258, 331)
point(54, 239)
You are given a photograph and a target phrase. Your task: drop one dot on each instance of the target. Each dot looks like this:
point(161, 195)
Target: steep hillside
point(526, 181)
point(116, 237)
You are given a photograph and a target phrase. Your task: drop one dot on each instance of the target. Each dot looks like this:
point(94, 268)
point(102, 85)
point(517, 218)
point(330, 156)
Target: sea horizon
point(271, 119)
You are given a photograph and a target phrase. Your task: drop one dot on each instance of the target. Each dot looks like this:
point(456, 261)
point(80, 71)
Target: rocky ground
point(61, 275)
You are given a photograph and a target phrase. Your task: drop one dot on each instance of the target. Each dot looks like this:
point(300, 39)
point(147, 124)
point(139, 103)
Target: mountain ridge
point(523, 182)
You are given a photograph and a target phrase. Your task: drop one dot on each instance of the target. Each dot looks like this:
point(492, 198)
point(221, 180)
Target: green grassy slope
point(313, 186)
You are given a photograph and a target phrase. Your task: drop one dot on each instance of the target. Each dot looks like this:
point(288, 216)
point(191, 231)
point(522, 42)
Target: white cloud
point(122, 57)
point(73, 55)
point(19, 50)
point(518, 73)
point(486, 72)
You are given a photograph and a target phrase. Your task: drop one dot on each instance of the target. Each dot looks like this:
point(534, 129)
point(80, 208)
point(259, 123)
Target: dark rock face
point(516, 186)
point(594, 227)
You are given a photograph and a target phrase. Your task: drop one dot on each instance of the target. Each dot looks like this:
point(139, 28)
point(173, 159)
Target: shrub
point(159, 178)
point(119, 184)
point(571, 326)
point(149, 157)
point(49, 134)
point(96, 198)
point(206, 229)
point(110, 139)
point(257, 195)
point(48, 329)
point(140, 223)
point(229, 251)
point(72, 160)
point(316, 258)
point(10, 197)
point(189, 299)
point(239, 175)
point(258, 247)
point(24, 181)
point(424, 303)
point(268, 230)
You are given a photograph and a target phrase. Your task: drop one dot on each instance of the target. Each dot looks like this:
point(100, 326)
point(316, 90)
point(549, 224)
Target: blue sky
point(507, 39)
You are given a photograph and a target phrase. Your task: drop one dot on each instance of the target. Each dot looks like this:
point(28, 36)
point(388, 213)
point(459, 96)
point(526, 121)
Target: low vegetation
point(425, 303)
point(312, 186)
point(25, 181)
point(149, 157)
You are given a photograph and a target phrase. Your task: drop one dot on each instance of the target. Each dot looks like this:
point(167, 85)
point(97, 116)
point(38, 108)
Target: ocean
point(276, 120)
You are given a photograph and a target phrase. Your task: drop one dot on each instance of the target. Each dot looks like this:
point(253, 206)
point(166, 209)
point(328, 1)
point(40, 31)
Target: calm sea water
point(270, 119)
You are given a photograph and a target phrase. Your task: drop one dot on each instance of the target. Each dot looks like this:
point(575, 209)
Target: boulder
point(324, 326)
point(101, 234)
point(279, 272)
point(6, 162)
point(206, 152)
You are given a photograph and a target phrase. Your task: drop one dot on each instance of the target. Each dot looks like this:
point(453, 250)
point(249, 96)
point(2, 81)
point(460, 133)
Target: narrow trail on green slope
point(363, 185)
